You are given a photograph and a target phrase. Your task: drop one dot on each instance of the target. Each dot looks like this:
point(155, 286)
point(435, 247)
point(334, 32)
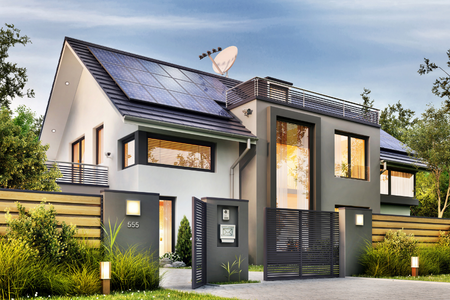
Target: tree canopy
point(12, 78)
point(396, 120)
point(22, 157)
point(429, 141)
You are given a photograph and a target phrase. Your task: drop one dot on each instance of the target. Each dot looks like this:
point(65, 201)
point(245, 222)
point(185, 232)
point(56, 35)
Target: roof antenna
point(224, 60)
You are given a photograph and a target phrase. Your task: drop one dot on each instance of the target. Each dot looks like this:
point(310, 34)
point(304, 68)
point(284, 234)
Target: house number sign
point(133, 224)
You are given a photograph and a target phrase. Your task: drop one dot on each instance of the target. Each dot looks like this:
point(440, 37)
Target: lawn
point(436, 278)
point(142, 295)
point(255, 268)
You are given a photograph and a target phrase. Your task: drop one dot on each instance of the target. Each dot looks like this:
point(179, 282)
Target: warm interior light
point(414, 262)
point(105, 270)
point(359, 219)
point(133, 208)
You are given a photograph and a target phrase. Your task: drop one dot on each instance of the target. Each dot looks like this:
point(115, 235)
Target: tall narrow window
point(165, 226)
point(129, 153)
point(350, 157)
point(99, 147)
point(384, 182)
point(293, 165)
point(78, 158)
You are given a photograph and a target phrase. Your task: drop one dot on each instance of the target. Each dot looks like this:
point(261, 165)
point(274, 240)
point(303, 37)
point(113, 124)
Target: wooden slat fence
point(425, 230)
point(84, 211)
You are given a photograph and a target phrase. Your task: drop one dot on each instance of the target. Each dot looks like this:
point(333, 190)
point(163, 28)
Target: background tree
point(429, 141)
point(22, 157)
point(367, 103)
point(12, 78)
point(426, 194)
point(396, 120)
point(184, 242)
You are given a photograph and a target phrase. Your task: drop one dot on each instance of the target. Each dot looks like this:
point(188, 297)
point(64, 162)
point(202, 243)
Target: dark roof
point(394, 151)
point(152, 112)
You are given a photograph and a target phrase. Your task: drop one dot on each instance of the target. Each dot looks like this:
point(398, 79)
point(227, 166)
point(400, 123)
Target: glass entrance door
point(293, 165)
point(165, 226)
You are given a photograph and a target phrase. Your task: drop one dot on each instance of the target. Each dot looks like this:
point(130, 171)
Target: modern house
point(126, 122)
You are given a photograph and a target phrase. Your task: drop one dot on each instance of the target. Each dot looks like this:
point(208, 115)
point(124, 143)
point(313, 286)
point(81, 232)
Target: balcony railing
point(81, 173)
point(266, 89)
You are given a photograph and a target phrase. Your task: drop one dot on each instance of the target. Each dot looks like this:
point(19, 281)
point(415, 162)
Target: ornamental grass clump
point(391, 257)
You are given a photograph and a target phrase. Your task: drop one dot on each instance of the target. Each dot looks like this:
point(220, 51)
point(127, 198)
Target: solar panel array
point(156, 83)
point(387, 141)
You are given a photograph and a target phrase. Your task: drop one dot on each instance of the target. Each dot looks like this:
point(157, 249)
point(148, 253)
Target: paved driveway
point(335, 288)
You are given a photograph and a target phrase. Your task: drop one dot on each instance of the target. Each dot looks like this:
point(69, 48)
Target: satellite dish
point(224, 60)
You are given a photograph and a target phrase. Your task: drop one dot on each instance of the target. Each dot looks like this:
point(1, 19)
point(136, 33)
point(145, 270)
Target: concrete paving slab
point(329, 288)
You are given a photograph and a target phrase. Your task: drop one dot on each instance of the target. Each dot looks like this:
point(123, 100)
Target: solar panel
point(175, 73)
point(145, 78)
point(105, 56)
point(163, 96)
point(119, 72)
point(153, 67)
point(148, 81)
point(130, 62)
point(192, 88)
point(189, 102)
point(135, 91)
point(170, 84)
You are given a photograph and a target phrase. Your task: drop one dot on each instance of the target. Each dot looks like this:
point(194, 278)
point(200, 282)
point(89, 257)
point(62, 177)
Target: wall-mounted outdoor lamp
point(133, 208)
point(359, 220)
point(415, 266)
point(105, 276)
point(247, 112)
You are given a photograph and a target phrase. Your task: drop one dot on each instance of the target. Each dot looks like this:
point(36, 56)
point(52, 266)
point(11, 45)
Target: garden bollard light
point(105, 276)
point(415, 266)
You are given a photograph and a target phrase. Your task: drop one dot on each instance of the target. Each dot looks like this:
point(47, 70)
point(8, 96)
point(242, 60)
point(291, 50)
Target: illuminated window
point(397, 183)
point(129, 153)
point(293, 175)
point(350, 157)
point(99, 142)
point(179, 154)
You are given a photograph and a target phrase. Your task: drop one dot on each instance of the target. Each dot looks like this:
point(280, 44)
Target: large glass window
point(129, 153)
point(397, 183)
point(174, 153)
point(165, 226)
point(350, 156)
point(293, 165)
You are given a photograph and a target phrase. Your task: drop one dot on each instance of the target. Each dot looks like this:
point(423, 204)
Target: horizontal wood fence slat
point(81, 211)
point(425, 230)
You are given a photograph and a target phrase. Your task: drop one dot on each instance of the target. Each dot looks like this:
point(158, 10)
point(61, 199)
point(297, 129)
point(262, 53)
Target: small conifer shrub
point(184, 242)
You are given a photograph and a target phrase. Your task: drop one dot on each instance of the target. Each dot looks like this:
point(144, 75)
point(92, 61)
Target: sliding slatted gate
point(300, 244)
point(198, 243)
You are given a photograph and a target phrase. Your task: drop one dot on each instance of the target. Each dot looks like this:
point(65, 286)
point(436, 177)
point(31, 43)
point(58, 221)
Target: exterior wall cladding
point(257, 170)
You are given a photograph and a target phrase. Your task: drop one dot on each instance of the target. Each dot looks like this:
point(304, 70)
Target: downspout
point(234, 166)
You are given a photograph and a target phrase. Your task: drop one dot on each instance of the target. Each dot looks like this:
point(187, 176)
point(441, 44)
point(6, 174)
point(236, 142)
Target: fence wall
point(425, 230)
point(84, 211)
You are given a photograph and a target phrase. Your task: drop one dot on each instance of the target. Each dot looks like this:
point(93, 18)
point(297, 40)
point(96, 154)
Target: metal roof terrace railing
point(77, 173)
point(275, 91)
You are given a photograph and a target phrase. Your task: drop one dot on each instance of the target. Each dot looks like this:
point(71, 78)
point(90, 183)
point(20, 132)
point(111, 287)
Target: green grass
point(236, 282)
point(255, 268)
point(436, 278)
point(144, 295)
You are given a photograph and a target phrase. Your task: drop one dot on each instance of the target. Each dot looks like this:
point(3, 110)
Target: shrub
point(38, 228)
point(173, 256)
point(391, 257)
point(184, 242)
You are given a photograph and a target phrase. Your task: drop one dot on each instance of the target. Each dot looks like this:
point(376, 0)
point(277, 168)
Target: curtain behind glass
point(358, 158)
point(402, 184)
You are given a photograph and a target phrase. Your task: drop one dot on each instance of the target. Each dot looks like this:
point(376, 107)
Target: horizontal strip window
point(177, 153)
point(397, 183)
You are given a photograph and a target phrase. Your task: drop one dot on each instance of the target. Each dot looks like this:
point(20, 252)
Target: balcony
point(283, 93)
point(85, 174)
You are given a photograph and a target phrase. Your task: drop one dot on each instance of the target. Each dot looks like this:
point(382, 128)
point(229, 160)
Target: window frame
point(389, 169)
point(80, 148)
point(212, 146)
point(125, 141)
point(311, 154)
point(349, 154)
point(98, 155)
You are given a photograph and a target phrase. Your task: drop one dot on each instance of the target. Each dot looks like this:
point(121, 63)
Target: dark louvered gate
point(198, 243)
point(300, 244)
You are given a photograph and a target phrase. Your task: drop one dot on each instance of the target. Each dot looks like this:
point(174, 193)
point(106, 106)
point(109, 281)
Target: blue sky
point(334, 47)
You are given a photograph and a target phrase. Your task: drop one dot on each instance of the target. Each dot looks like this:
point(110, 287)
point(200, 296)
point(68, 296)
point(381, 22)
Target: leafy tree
point(12, 78)
point(367, 103)
point(184, 241)
point(26, 119)
point(429, 141)
point(426, 194)
point(396, 120)
point(22, 157)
